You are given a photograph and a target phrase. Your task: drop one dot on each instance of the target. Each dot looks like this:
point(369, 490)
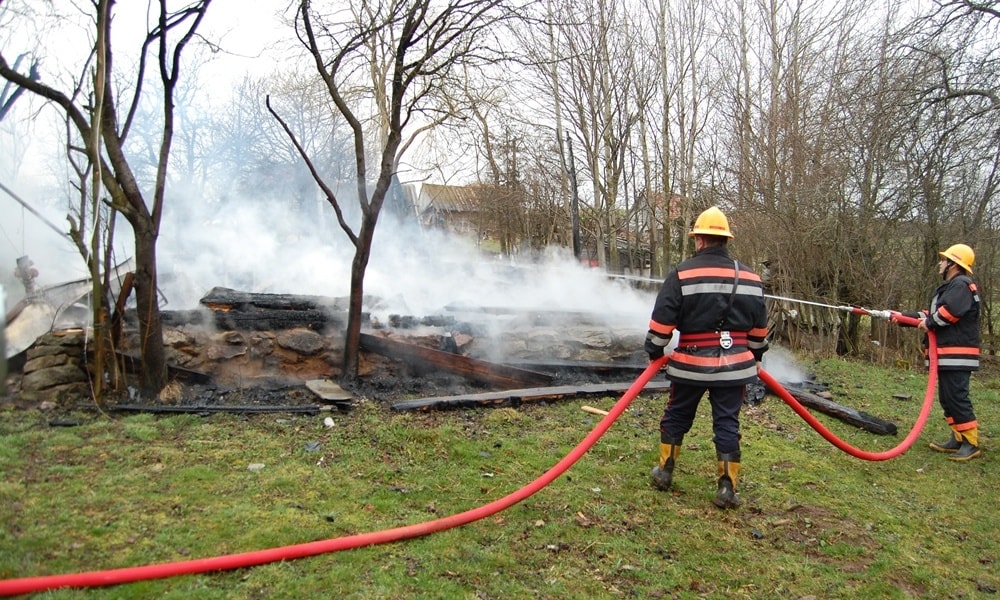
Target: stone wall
point(54, 370)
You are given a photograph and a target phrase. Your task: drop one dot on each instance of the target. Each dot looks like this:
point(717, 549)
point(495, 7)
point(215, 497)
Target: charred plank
point(260, 319)
point(250, 311)
point(518, 396)
point(228, 299)
point(219, 408)
point(846, 414)
point(429, 359)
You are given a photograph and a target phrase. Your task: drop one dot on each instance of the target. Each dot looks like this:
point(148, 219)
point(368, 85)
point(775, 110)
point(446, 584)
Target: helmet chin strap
point(947, 270)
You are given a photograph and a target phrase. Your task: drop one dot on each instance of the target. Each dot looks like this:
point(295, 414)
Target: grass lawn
point(815, 522)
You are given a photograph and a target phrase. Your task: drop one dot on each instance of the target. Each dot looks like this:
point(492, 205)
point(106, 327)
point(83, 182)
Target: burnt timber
point(420, 357)
point(524, 381)
point(307, 409)
point(246, 311)
point(517, 397)
point(846, 414)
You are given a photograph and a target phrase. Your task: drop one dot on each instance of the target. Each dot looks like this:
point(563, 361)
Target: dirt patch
point(818, 533)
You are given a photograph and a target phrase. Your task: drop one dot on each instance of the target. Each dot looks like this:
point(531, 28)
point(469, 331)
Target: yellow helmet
point(711, 222)
point(961, 255)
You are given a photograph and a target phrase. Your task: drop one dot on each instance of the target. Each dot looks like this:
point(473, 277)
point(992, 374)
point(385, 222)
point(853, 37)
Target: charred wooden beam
point(516, 397)
point(227, 299)
point(844, 413)
point(430, 359)
point(308, 409)
point(519, 396)
point(249, 311)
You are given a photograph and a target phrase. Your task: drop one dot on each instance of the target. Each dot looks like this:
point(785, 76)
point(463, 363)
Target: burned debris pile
point(258, 352)
point(241, 340)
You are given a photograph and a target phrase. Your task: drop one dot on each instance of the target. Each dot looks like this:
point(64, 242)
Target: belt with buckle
point(722, 339)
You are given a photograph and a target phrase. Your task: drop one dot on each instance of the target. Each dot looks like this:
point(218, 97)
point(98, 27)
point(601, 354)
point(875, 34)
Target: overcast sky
point(252, 38)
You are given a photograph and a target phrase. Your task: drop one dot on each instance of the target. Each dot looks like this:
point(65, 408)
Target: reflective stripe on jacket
point(695, 300)
point(954, 319)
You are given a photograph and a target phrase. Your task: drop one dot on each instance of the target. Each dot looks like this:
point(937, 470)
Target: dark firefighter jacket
point(954, 319)
point(721, 319)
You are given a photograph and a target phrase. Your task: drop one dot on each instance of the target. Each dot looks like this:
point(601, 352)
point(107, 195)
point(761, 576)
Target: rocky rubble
point(212, 365)
point(54, 371)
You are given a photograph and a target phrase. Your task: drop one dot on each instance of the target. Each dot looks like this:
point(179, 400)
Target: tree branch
point(331, 197)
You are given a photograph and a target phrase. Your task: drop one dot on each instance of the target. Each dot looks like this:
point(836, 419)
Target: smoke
point(781, 364)
point(412, 271)
point(22, 233)
point(267, 248)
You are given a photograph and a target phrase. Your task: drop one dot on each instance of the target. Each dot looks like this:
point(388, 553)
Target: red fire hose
point(839, 443)
point(11, 587)
point(852, 450)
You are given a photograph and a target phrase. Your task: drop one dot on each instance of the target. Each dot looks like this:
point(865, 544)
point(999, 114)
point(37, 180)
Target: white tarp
point(63, 306)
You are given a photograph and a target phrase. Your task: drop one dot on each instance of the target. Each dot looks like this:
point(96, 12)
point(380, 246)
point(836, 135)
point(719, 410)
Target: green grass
point(816, 522)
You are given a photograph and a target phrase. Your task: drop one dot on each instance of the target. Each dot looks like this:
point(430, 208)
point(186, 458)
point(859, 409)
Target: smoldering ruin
point(279, 342)
point(254, 316)
point(264, 352)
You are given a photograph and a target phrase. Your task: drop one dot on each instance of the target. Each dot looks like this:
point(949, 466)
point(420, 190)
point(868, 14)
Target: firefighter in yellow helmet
point(953, 316)
point(716, 305)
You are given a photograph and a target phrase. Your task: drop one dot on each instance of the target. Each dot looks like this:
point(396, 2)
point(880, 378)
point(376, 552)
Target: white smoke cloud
point(412, 271)
point(782, 365)
point(22, 233)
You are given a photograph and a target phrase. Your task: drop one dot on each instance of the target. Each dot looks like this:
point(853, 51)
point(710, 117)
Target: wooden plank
point(308, 409)
point(226, 298)
point(846, 414)
point(328, 390)
point(251, 311)
point(516, 397)
point(430, 359)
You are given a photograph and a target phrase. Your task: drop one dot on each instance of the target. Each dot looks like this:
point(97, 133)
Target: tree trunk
point(154, 360)
point(352, 337)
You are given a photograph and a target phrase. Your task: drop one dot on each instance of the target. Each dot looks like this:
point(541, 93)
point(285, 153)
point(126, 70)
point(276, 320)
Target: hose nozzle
point(881, 314)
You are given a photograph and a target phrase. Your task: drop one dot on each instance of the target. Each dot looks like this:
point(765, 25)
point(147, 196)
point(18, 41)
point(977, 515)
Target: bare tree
point(399, 57)
point(11, 92)
point(104, 139)
point(599, 108)
point(956, 41)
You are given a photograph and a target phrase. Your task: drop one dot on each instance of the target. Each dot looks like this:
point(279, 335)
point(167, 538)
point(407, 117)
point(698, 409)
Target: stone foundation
point(54, 371)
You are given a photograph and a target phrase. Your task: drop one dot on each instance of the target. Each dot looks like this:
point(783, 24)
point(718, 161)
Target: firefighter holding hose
point(716, 305)
point(953, 316)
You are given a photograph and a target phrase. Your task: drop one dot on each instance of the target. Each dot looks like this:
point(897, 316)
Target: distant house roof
point(447, 198)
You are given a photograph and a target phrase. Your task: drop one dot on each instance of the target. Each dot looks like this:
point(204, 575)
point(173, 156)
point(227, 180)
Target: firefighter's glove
point(656, 344)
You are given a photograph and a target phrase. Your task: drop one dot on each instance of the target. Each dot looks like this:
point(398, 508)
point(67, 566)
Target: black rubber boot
point(663, 474)
point(952, 445)
point(966, 452)
point(729, 472)
point(970, 445)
